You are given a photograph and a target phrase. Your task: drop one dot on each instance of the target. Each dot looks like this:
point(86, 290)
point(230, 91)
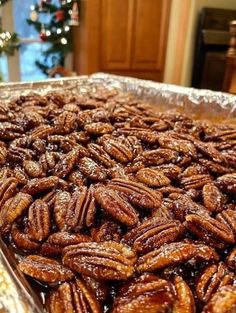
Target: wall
point(181, 38)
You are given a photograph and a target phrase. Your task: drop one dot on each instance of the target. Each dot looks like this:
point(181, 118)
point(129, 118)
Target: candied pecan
point(210, 230)
point(195, 181)
point(101, 260)
point(3, 153)
point(48, 160)
point(152, 178)
point(91, 169)
point(228, 217)
point(194, 169)
point(20, 174)
point(39, 145)
point(77, 178)
point(134, 144)
point(62, 199)
point(7, 189)
point(99, 154)
point(137, 193)
point(107, 231)
point(99, 128)
point(45, 269)
point(231, 260)
point(22, 240)
point(41, 132)
point(14, 207)
point(147, 293)
point(157, 157)
point(145, 135)
point(116, 206)
point(58, 241)
point(210, 151)
point(73, 297)
point(185, 300)
point(153, 233)
point(212, 279)
point(66, 164)
point(81, 209)
point(116, 149)
point(99, 287)
point(175, 253)
point(39, 223)
point(223, 301)
point(170, 170)
point(212, 197)
point(33, 168)
point(164, 210)
point(65, 122)
point(214, 167)
point(9, 131)
point(38, 185)
point(18, 154)
point(227, 183)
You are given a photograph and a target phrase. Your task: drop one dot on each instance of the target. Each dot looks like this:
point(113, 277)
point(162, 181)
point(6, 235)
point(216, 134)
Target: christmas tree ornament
point(34, 16)
point(74, 14)
point(59, 16)
point(43, 35)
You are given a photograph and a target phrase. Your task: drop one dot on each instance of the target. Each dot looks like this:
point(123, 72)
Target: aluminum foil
point(16, 296)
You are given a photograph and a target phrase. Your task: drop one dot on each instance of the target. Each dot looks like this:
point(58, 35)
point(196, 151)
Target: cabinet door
point(149, 34)
point(116, 34)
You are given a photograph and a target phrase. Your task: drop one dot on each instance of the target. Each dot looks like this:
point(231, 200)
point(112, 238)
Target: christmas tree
point(53, 22)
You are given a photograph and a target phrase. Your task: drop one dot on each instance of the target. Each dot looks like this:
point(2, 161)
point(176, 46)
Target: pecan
point(147, 293)
point(195, 181)
point(91, 169)
point(152, 178)
point(65, 122)
point(99, 287)
point(210, 230)
point(223, 301)
point(45, 269)
point(214, 167)
point(213, 278)
point(175, 253)
point(73, 297)
point(66, 164)
point(7, 189)
point(231, 260)
point(77, 178)
point(107, 231)
point(212, 198)
point(9, 131)
point(33, 168)
point(22, 240)
point(157, 157)
point(228, 217)
point(58, 241)
point(145, 135)
point(41, 132)
point(101, 260)
point(137, 193)
point(227, 183)
point(81, 209)
point(48, 160)
point(61, 204)
point(38, 185)
point(117, 207)
point(153, 233)
point(3, 153)
point(169, 170)
point(210, 151)
point(20, 174)
point(38, 220)
point(99, 154)
point(117, 150)
point(99, 128)
point(185, 300)
point(194, 169)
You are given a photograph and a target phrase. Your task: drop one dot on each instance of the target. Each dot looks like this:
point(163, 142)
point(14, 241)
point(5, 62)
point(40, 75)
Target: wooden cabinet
point(126, 37)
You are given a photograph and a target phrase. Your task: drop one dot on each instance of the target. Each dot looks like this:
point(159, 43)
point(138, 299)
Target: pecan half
point(116, 206)
point(185, 301)
point(213, 278)
point(38, 185)
point(195, 181)
point(210, 230)
point(33, 168)
point(175, 253)
point(7, 189)
point(117, 150)
point(39, 223)
point(231, 260)
point(227, 183)
point(107, 231)
point(101, 260)
point(61, 204)
point(45, 269)
point(228, 217)
point(99, 128)
point(137, 193)
point(145, 135)
point(153, 233)
point(212, 197)
point(157, 157)
point(98, 153)
point(147, 293)
point(66, 164)
point(22, 240)
point(152, 178)
point(91, 169)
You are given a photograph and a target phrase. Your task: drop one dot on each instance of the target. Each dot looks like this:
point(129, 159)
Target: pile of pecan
point(111, 206)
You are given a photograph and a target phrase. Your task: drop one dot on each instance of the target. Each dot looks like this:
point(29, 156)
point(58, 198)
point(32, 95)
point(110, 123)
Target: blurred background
point(183, 42)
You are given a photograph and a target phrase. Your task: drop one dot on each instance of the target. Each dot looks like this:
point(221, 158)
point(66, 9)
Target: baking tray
point(16, 296)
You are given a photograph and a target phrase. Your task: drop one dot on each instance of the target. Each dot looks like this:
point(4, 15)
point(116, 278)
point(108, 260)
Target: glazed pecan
point(45, 269)
point(214, 167)
point(107, 231)
point(223, 301)
point(195, 181)
point(10, 131)
point(212, 197)
point(92, 170)
point(62, 199)
point(227, 183)
point(231, 260)
point(169, 170)
point(99, 287)
point(147, 293)
point(175, 253)
point(210, 230)
point(33, 169)
point(101, 260)
point(210, 151)
point(116, 149)
point(39, 223)
point(7, 188)
point(38, 185)
point(99, 128)
point(49, 160)
point(152, 178)
point(77, 178)
point(184, 302)
point(153, 233)
point(213, 278)
point(98, 153)
point(73, 297)
point(157, 157)
point(137, 193)
point(22, 240)
point(65, 122)
point(66, 164)
point(116, 206)
point(228, 217)
point(3, 153)
point(81, 209)
point(41, 132)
